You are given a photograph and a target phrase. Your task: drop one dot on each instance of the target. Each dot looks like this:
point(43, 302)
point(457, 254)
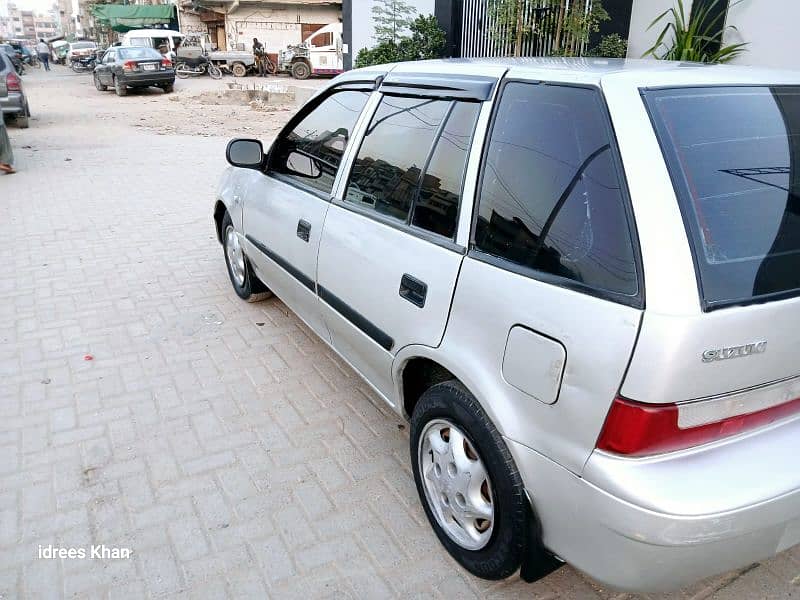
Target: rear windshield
point(83, 45)
point(734, 157)
point(132, 53)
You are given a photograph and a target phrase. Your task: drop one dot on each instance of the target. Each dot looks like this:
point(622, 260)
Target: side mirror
point(244, 153)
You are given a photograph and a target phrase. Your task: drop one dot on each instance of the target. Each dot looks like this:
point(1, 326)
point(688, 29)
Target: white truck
point(320, 54)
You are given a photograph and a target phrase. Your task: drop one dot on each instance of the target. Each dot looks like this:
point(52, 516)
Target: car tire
point(300, 70)
point(100, 87)
point(169, 88)
point(214, 71)
point(245, 282)
point(238, 69)
point(494, 545)
point(23, 120)
point(120, 88)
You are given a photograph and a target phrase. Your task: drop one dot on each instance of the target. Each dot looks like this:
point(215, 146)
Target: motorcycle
point(82, 64)
point(193, 68)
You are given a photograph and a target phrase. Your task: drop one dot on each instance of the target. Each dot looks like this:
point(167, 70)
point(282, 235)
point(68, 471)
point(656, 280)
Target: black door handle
point(303, 230)
point(413, 290)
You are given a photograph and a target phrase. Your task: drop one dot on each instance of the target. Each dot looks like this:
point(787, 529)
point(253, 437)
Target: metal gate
point(482, 36)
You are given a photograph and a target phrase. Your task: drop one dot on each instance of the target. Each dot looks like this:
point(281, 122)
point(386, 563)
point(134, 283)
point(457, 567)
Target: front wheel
point(76, 67)
point(214, 71)
point(182, 70)
point(300, 70)
point(471, 490)
point(100, 87)
point(245, 282)
point(239, 70)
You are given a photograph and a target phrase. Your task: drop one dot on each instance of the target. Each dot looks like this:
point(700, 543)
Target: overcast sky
point(40, 6)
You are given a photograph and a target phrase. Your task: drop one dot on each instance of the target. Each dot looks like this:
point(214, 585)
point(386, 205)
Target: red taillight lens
point(166, 63)
point(13, 83)
point(638, 429)
point(129, 65)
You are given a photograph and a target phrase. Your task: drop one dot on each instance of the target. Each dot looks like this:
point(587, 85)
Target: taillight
point(129, 65)
point(13, 83)
point(639, 429)
point(166, 63)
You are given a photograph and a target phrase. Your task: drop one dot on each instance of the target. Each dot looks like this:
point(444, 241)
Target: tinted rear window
point(734, 156)
point(83, 45)
point(135, 53)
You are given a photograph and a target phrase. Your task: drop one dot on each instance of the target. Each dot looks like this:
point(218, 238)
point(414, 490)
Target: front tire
point(238, 69)
point(214, 71)
point(100, 87)
point(468, 484)
point(300, 70)
point(245, 283)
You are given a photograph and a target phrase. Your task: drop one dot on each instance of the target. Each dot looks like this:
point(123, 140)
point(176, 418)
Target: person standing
point(43, 50)
point(6, 156)
point(258, 51)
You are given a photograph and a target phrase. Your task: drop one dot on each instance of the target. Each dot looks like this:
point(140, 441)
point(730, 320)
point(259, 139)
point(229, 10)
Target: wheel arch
point(219, 213)
point(417, 368)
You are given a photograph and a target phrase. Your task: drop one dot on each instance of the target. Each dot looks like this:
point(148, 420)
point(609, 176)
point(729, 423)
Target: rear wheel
point(245, 283)
point(120, 88)
point(168, 88)
point(238, 69)
point(23, 120)
point(100, 87)
point(182, 70)
point(300, 70)
point(467, 481)
point(214, 71)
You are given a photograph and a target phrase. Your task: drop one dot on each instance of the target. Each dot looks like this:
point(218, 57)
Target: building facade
point(233, 24)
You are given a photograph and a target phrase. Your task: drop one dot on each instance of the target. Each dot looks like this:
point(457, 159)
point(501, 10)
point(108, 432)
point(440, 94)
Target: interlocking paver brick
point(222, 442)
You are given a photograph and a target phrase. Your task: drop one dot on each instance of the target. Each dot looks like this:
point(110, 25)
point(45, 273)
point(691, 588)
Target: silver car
point(579, 280)
point(13, 102)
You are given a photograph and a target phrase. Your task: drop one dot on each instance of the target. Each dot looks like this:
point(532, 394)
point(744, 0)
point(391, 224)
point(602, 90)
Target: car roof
point(598, 71)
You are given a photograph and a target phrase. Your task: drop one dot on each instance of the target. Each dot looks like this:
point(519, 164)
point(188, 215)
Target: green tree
point(427, 41)
point(392, 19)
point(575, 20)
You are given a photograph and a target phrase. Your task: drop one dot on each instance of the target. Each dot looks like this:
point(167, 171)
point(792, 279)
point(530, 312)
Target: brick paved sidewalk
point(220, 441)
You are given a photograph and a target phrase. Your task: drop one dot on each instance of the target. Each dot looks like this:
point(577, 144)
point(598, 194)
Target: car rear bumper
point(636, 546)
point(154, 78)
point(12, 104)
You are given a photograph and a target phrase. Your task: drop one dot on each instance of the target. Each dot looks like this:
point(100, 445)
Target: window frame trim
point(634, 301)
point(449, 243)
point(307, 109)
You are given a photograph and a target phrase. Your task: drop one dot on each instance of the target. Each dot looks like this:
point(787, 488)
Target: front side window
point(411, 163)
point(734, 156)
point(310, 154)
point(550, 199)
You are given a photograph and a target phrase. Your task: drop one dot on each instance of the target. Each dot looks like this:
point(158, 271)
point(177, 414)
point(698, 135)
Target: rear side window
point(411, 163)
point(734, 157)
point(311, 152)
point(551, 201)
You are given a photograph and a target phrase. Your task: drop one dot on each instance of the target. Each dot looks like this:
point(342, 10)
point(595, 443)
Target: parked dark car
point(13, 102)
point(126, 67)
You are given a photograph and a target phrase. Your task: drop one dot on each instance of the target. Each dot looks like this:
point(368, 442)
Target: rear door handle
point(413, 290)
point(303, 230)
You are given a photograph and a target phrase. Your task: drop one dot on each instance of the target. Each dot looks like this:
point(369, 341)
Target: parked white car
point(580, 282)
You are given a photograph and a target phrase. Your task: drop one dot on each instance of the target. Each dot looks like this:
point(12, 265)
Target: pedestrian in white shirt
point(43, 50)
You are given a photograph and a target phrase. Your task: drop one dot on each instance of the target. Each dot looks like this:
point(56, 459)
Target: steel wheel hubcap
point(235, 255)
point(456, 484)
